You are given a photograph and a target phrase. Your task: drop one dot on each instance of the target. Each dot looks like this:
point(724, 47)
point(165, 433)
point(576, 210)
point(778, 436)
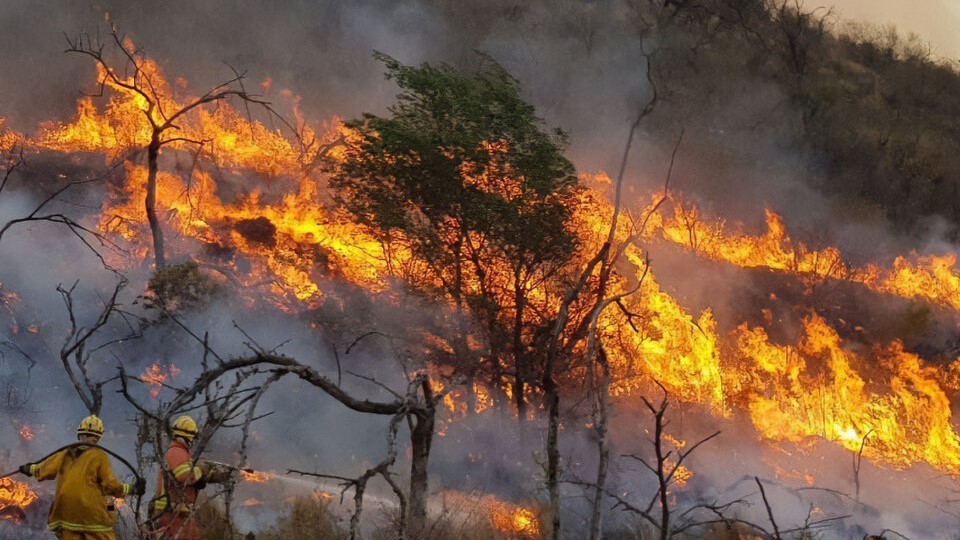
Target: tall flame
point(931, 278)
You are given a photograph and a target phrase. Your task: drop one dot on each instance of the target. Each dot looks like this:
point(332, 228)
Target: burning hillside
point(452, 236)
point(812, 389)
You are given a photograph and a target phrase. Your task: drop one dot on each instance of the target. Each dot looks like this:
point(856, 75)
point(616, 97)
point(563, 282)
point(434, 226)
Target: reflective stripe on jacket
point(180, 472)
point(84, 476)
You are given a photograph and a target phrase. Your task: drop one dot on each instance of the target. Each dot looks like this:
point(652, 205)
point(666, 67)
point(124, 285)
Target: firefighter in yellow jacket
point(84, 476)
point(179, 481)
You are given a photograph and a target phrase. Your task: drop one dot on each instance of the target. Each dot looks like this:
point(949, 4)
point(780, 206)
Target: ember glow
point(14, 498)
point(26, 433)
point(514, 521)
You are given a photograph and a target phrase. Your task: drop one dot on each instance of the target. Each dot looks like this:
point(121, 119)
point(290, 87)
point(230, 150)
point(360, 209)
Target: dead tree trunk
point(153, 154)
point(553, 453)
point(601, 404)
point(421, 440)
point(141, 84)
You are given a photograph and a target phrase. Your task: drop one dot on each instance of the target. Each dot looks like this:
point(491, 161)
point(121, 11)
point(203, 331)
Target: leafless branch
point(766, 503)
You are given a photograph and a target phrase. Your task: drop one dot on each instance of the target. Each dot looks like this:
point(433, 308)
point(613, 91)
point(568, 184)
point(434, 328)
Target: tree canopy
point(464, 174)
point(460, 153)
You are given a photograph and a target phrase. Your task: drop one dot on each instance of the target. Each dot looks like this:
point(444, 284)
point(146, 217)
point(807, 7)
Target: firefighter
point(84, 477)
point(179, 481)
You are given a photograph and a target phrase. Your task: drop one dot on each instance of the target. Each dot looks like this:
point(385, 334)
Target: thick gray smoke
point(581, 63)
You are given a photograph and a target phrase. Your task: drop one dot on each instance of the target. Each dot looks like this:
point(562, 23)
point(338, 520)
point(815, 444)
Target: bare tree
point(231, 387)
point(79, 345)
point(662, 467)
point(88, 237)
point(130, 75)
point(568, 332)
point(381, 469)
point(857, 459)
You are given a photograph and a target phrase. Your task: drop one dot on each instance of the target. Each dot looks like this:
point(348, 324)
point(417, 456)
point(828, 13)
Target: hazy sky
point(936, 21)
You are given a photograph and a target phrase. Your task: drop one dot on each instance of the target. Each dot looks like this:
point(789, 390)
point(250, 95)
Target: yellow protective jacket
point(84, 476)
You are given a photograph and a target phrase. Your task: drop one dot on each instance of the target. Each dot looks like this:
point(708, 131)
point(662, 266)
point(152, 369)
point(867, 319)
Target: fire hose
point(136, 512)
point(218, 469)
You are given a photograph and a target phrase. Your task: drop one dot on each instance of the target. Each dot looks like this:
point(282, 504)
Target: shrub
point(178, 288)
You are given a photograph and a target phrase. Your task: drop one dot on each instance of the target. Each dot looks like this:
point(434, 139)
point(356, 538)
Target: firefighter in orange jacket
point(84, 476)
point(178, 483)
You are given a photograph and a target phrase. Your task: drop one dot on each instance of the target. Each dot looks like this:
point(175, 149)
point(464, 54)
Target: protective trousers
point(64, 534)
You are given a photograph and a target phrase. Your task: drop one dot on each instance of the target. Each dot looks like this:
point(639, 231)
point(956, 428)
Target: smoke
point(581, 63)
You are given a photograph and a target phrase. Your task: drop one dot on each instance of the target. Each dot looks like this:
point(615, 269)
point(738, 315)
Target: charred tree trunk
point(662, 475)
point(153, 154)
point(553, 454)
point(519, 357)
point(519, 389)
point(421, 439)
point(601, 414)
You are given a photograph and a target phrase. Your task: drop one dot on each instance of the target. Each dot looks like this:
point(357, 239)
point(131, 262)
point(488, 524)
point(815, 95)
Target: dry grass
point(213, 521)
point(308, 519)
point(454, 523)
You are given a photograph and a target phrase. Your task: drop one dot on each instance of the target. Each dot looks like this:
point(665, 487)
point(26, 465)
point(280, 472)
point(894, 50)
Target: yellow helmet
point(91, 425)
point(185, 427)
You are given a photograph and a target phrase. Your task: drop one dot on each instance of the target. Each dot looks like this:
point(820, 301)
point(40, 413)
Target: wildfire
point(9, 139)
point(280, 237)
point(259, 477)
point(14, 498)
point(933, 278)
point(252, 502)
point(284, 239)
point(511, 519)
point(156, 376)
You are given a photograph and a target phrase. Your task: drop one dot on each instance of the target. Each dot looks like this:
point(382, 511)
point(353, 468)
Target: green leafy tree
point(463, 176)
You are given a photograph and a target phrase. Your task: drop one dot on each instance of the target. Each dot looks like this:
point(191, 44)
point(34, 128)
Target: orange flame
point(254, 476)
point(932, 278)
point(14, 498)
point(156, 376)
point(26, 433)
point(514, 520)
point(814, 389)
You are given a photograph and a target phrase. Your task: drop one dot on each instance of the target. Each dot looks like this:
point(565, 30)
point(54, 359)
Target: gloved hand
point(200, 484)
point(140, 487)
point(25, 469)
